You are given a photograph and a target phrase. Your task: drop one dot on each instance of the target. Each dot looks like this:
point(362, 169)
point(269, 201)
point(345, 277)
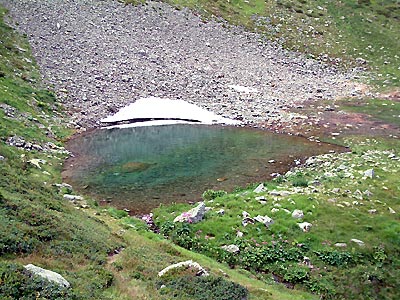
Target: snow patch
point(243, 89)
point(164, 111)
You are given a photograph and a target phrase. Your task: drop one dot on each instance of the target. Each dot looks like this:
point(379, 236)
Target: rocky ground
point(99, 56)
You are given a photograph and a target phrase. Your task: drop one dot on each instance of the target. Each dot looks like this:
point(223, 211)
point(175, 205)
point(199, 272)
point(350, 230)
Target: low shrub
point(335, 258)
point(204, 288)
point(18, 283)
point(211, 194)
point(117, 213)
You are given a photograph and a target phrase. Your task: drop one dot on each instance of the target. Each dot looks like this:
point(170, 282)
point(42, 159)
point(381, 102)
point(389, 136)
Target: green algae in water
point(139, 168)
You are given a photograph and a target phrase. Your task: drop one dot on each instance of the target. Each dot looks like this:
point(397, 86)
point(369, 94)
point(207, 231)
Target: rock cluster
point(99, 56)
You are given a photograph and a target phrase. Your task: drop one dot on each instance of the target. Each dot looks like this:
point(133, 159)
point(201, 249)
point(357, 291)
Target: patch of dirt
point(392, 95)
point(329, 122)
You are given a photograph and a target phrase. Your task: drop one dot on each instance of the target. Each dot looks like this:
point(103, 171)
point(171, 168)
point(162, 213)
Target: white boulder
point(231, 248)
point(185, 264)
point(192, 216)
point(47, 274)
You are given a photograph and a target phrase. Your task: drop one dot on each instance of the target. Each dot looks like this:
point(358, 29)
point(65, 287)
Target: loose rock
point(358, 242)
point(49, 275)
point(186, 264)
point(264, 219)
point(297, 214)
point(192, 216)
point(305, 226)
point(231, 248)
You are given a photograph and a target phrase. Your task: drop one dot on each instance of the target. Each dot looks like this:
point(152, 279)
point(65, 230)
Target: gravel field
point(99, 56)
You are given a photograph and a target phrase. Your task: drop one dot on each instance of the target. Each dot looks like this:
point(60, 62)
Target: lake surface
point(139, 168)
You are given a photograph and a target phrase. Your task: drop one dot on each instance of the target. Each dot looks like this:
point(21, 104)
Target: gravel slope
point(102, 55)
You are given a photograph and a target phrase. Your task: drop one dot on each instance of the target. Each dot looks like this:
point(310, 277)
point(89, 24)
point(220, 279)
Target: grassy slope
point(38, 226)
point(346, 33)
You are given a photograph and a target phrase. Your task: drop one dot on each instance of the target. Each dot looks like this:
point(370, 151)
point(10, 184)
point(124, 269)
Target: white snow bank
point(243, 89)
point(162, 108)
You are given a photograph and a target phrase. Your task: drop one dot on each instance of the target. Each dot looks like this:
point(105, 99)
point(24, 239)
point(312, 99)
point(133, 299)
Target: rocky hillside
point(101, 55)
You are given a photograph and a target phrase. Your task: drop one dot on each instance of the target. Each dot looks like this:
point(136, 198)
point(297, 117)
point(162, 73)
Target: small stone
point(239, 234)
point(372, 211)
point(297, 214)
point(221, 212)
point(307, 261)
point(305, 226)
point(264, 219)
point(247, 221)
point(260, 188)
point(231, 248)
point(369, 173)
point(72, 197)
point(260, 198)
point(368, 193)
point(391, 210)
point(340, 245)
point(274, 210)
point(36, 162)
point(245, 214)
point(358, 242)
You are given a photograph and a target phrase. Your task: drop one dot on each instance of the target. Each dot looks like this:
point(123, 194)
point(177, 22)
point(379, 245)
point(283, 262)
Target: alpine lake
point(139, 168)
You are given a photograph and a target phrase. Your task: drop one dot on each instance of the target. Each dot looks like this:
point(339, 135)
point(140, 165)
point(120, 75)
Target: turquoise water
point(139, 168)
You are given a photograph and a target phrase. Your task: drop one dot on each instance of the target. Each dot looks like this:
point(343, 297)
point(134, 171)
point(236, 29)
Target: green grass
point(335, 201)
point(338, 32)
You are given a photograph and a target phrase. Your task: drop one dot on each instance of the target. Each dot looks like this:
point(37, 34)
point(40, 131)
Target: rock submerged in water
point(49, 275)
point(134, 166)
point(194, 215)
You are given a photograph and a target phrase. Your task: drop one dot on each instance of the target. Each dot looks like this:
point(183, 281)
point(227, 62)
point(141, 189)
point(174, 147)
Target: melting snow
point(163, 111)
point(243, 89)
